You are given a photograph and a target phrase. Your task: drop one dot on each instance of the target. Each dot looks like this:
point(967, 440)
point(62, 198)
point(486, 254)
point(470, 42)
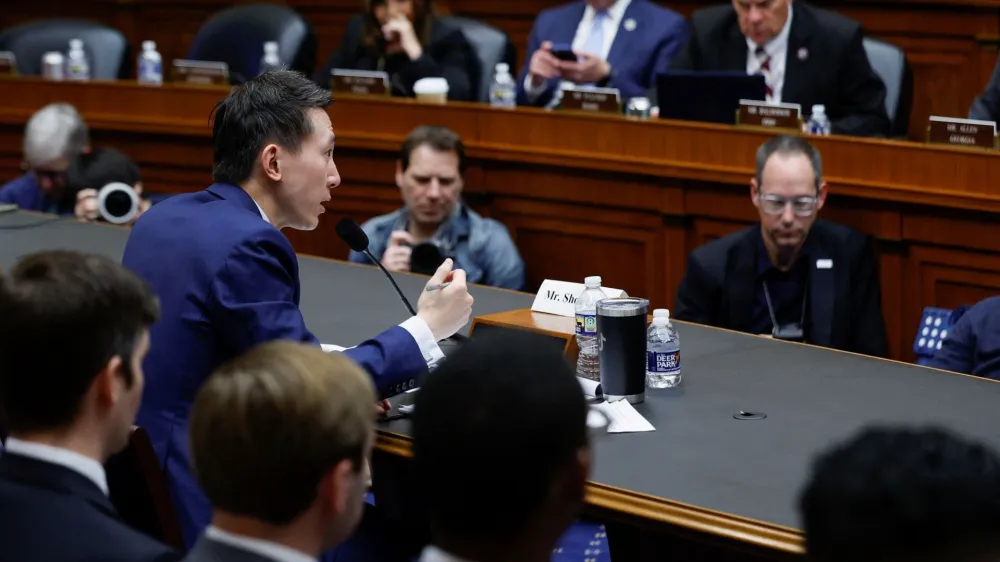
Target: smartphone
point(564, 52)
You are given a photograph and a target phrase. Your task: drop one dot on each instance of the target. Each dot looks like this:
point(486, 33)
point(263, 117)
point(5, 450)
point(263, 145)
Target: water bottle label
point(586, 324)
point(663, 361)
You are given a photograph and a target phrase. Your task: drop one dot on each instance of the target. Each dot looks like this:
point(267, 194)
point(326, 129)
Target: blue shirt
point(973, 344)
point(482, 247)
point(786, 288)
point(26, 194)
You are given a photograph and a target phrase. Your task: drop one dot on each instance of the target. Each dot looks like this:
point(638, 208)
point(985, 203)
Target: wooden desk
point(586, 195)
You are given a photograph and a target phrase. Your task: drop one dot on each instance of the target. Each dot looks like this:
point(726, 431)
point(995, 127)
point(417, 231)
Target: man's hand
point(399, 31)
point(446, 310)
point(543, 66)
point(589, 68)
point(86, 205)
point(382, 408)
point(397, 255)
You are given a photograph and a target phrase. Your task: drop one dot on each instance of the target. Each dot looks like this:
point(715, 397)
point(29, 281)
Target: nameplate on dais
point(769, 115)
point(359, 82)
point(8, 64)
point(594, 100)
point(200, 73)
point(962, 132)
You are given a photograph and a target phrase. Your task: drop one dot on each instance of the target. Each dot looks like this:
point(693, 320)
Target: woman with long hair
point(405, 39)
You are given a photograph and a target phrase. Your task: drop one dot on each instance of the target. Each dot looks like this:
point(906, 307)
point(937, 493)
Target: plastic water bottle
point(502, 92)
point(588, 364)
point(77, 66)
point(150, 70)
point(818, 123)
point(663, 352)
point(270, 61)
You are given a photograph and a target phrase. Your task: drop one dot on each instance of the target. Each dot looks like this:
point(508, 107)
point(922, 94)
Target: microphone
point(357, 240)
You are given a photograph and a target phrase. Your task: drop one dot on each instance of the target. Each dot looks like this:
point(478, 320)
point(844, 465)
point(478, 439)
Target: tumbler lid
point(622, 307)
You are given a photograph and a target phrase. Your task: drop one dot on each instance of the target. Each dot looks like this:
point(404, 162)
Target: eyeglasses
point(775, 205)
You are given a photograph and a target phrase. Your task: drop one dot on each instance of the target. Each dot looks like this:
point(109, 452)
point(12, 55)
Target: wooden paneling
point(587, 195)
point(951, 44)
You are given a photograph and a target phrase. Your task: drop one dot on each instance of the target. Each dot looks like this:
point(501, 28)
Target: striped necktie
point(765, 69)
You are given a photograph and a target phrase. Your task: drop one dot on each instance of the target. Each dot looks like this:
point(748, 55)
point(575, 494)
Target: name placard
point(962, 132)
point(601, 100)
point(769, 115)
point(359, 82)
point(200, 73)
point(559, 297)
point(8, 64)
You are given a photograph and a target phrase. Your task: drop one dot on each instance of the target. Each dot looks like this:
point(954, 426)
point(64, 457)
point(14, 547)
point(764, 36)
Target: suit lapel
point(620, 47)
point(797, 67)
point(741, 292)
point(821, 291)
point(40, 474)
point(734, 54)
point(565, 28)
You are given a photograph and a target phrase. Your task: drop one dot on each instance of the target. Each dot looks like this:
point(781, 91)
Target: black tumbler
point(621, 336)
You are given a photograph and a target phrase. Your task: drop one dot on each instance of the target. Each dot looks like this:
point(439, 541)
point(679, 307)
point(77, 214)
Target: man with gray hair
point(791, 277)
point(54, 137)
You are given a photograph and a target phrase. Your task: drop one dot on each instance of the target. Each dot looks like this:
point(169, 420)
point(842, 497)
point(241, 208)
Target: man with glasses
point(791, 277)
point(53, 139)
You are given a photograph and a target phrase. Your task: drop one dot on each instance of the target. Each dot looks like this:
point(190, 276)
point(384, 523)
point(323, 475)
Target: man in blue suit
point(620, 44)
point(228, 278)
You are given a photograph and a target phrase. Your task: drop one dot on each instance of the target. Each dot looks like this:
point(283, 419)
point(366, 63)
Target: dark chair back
point(236, 36)
point(106, 47)
point(490, 45)
point(889, 62)
point(138, 490)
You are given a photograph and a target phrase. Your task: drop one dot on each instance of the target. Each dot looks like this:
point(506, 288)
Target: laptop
point(706, 96)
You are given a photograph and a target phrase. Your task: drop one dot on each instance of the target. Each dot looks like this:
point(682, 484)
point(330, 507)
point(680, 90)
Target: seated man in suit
point(435, 224)
point(280, 439)
point(807, 55)
point(987, 106)
point(620, 44)
point(972, 346)
point(791, 276)
point(513, 408)
point(53, 138)
point(229, 279)
point(73, 333)
point(886, 495)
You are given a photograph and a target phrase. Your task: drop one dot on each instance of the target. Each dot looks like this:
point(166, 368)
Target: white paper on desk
point(623, 418)
point(591, 389)
point(329, 347)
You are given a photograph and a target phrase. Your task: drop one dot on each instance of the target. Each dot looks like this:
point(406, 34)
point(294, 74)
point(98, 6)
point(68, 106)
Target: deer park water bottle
point(270, 60)
point(150, 65)
point(663, 352)
point(818, 124)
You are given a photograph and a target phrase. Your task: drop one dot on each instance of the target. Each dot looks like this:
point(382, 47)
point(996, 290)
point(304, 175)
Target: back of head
point(495, 428)
point(101, 167)
point(267, 427)
point(54, 132)
point(903, 494)
point(63, 317)
point(271, 108)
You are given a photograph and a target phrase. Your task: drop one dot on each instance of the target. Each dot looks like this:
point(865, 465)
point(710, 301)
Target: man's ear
point(754, 192)
point(821, 196)
point(336, 487)
point(399, 174)
point(108, 384)
point(269, 162)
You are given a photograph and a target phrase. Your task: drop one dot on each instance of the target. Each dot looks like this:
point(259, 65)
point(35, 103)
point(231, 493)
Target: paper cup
point(431, 90)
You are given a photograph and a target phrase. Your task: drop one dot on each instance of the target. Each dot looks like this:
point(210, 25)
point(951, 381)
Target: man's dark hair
point(271, 108)
point(902, 494)
point(63, 316)
point(441, 139)
point(101, 167)
point(492, 428)
point(788, 145)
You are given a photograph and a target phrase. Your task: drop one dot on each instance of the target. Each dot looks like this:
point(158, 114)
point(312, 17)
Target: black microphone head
point(350, 232)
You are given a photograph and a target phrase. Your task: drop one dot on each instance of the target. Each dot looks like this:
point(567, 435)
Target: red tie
point(765, 68)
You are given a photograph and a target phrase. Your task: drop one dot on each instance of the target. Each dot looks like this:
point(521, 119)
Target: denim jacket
point(482, 247)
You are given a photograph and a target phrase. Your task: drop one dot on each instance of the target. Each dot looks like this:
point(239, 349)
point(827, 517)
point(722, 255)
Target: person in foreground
point(898, 494)
point(513, 407)
point(792, 276)
point(229, 279)
point(73, 333)
point(280, 438)
point(972, 346)
point(435, 223)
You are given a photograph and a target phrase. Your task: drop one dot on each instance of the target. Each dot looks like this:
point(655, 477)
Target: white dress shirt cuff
point(422, 334)
point(532, 92)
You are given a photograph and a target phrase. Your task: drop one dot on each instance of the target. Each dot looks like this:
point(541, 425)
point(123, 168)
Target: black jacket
point(449, 55)
point(844, 309)
point(834, 71)
point(50, 512)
